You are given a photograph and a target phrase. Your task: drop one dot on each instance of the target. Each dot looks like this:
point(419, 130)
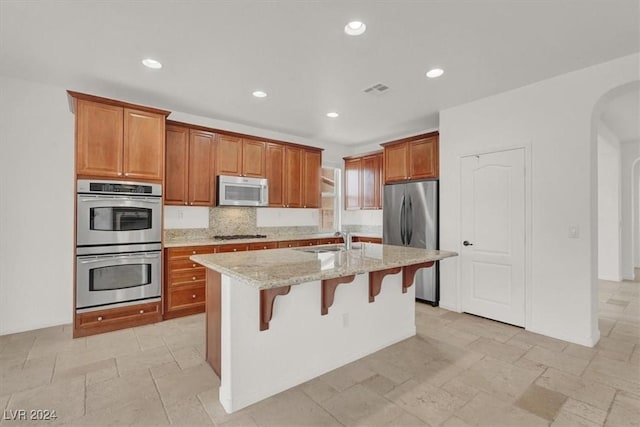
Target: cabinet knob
point(191, 203)
point(119, 173)
point(193, 278)
point(194, 266)
point(141, 311)
point(310, 243)
point(234, 249)
point(185, 203)
point(193, 296)
point(99, 318)
point(194, 252)
point(264, 247)
point(289, 245)
point(126, 174)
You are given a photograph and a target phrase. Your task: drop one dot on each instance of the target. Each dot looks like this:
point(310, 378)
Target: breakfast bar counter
point(277, 318)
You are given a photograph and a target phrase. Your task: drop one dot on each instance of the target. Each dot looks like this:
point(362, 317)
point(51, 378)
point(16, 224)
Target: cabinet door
point(395, 162)
point(143, 145)
point(229, 155)
point(201, 176)
point(275, 174)
point(293, 177)
point(423, 158)
point(253, 158)
point(99, 139)
point(312, 165)
point(239, 247)
point(177, 153)
point(352, 183)
point(371, 182)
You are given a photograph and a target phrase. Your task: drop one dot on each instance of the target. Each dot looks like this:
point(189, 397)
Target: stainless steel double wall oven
point(118, 237)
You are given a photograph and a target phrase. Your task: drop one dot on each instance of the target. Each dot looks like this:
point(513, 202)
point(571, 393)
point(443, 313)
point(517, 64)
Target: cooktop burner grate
point(240, 236)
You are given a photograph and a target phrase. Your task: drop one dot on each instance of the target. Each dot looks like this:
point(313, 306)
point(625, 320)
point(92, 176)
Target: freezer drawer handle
point(467, 243)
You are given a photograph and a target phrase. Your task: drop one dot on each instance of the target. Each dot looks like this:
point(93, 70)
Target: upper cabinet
point(411, 158)
point(239, 156)
point(363, 181)
point(190, 177)
point(294, 176)
point(118, 140)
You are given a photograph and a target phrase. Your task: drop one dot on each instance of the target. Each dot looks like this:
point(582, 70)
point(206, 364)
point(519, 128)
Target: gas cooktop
point(240, 236)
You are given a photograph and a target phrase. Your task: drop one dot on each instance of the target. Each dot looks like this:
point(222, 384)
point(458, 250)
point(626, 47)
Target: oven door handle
point(148, 200)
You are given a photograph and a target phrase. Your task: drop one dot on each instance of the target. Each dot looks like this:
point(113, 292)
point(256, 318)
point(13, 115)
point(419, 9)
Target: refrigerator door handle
point(410, 221)
point(402, 221)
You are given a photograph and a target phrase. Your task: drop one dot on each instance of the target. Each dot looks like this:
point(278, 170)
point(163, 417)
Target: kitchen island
point(277, 318)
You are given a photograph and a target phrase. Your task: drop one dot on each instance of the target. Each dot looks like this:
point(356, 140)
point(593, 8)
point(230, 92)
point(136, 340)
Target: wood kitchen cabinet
point(311, 168)
point(113, 319)
point(293, 177)
point(411, 158)
point(118, 140)
point(239, 156)
point(363, 181)
point(184, 281)
point(275, 174)
point(190, 177)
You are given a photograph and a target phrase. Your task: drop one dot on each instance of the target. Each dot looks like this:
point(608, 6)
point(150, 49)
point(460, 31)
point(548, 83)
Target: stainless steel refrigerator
point(410, 218)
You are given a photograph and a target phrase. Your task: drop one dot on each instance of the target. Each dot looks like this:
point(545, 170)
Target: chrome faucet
point(346, 236)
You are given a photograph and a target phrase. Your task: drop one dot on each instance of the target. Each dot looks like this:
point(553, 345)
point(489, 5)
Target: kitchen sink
point(320, 250)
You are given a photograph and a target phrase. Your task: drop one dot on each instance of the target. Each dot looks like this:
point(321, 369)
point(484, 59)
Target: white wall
point(630, 167)
point(553, 119)
point(36, 206)
point(37, 198)
point(608, 205)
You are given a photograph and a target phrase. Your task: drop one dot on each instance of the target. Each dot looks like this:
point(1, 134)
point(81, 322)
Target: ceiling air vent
point(377, 89)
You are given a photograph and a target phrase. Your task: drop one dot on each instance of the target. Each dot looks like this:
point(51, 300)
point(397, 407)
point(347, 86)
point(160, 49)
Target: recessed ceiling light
point(152, 63)
point(332, 114)
point(435, 72)
point(259, 94)
point(355, 28)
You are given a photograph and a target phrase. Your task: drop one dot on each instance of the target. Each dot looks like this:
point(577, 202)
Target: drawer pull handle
point(141, 311)
point(99, 318)
point(193, 296)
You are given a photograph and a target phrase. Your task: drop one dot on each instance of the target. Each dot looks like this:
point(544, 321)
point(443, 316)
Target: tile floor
point(459, 370)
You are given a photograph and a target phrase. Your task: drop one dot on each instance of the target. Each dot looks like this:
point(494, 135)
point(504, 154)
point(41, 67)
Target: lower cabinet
point(184, 281)
point(367, 239)
point(99, 321)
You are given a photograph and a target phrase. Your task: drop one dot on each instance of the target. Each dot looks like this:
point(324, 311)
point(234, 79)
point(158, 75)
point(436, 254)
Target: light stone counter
point(173, 243)
point(275, 268)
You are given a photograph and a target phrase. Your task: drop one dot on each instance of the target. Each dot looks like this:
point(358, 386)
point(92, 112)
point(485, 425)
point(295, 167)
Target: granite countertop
point(282, 267)
point(275, 238)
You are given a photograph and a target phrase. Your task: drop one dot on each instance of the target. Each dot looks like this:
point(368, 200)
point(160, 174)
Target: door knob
point(467, 243)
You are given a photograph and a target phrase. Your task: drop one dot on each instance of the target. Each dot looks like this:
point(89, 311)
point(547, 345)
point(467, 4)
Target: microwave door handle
point(95, 259)
point(153, 201)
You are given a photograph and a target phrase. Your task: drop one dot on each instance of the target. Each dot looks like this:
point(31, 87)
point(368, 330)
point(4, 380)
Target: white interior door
point(493, 232)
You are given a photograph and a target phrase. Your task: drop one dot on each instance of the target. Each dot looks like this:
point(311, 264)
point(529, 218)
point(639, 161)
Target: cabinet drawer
point(121, 317)
point(182, 264)
point(232, 248)
point(260, 245)
point(368, 239)
point(187, 296)
point(329, 241)
point(187, 251)
point(290, 243)
point(186, 276)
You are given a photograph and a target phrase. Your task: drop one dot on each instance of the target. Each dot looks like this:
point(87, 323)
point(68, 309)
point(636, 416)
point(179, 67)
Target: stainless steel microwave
point(242, 191)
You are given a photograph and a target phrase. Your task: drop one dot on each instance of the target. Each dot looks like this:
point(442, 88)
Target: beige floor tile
point(169, 368)
point(136, 411)
point(188, 357)
point(347, 376)
point(143, 360)
point(290, 408)
point(541, 401)
point(319, 390)
point(561, 361)
point(482, 328)
point(580, 351)
point(615, 347)
point(10, 362)
point(621, 375)
point(184, 339)
point(582, 389)
point(211, 404)
point(605, 326)
point(51, 344)
point(385, 367)
point(243, 421)
point(533, 339)
point(113, 344)
point(497, 350)
point(625, 411)
point(187, 383)
point(188, 412)
point(456, 422)
point(449, 335)
point(360, 406)
point(486, 410)
point(569, 419)
point(378, 384)
point(635, 356)
point(584, 410)
point(66, 398)
point(112, 394)
point(96, 369)
point(429, 403)
point(106, 372)
point(404, 420)
point(34, 373)
point(457, 388)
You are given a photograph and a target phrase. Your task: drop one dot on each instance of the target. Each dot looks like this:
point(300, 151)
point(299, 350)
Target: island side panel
point(214, 317)
point(300, 343)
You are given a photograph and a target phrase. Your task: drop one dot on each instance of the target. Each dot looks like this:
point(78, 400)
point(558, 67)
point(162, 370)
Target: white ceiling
point(622, 116)
point(216, 53)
